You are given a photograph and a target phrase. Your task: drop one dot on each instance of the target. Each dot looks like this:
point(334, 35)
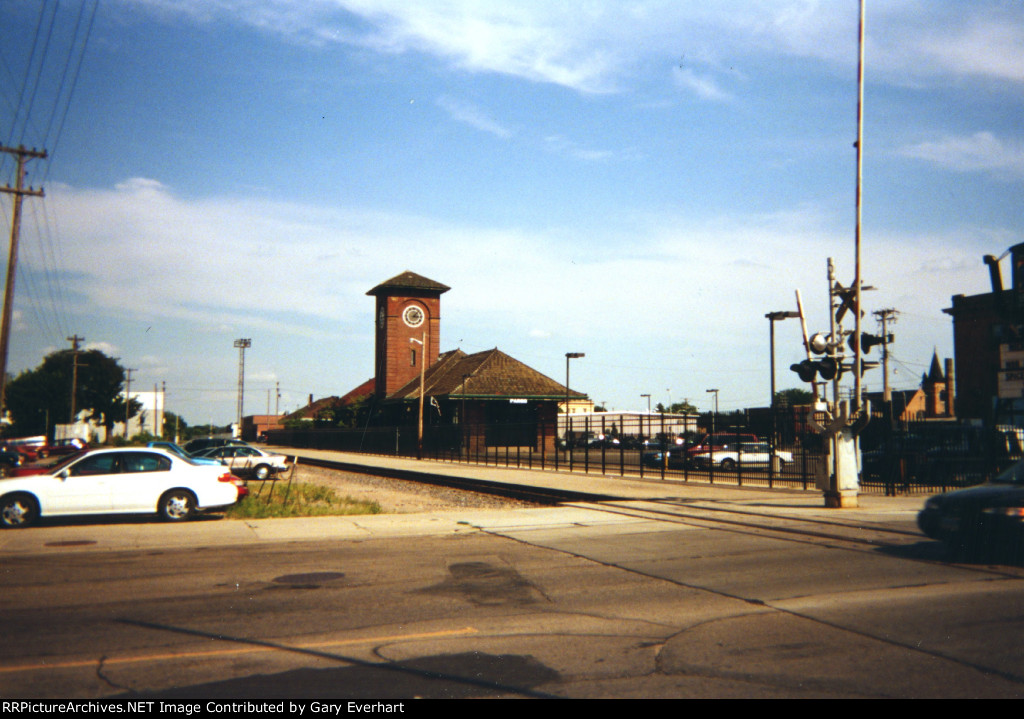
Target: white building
point(626, 424)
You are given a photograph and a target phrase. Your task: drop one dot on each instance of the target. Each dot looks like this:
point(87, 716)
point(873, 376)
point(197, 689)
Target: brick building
point(485, 399)
point(988, 344)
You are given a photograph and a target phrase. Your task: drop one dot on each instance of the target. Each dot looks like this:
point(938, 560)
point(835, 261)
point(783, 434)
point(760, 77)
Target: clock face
point(413, 316)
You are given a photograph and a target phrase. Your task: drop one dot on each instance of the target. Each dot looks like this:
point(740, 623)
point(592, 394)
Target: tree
point(174, 425)
point(40, 398)
point(794, 397)
point(683, 407)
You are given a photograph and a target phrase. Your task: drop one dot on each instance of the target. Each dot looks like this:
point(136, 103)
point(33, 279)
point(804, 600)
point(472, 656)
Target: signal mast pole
point(857, 355)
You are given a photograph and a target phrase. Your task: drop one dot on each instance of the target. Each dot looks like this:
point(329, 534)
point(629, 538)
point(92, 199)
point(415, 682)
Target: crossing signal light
point(806, 370)
point(828, 368)
point(868, 341)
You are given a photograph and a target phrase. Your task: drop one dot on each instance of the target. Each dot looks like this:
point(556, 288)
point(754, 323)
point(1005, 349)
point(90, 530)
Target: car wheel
point(18, 511)
point(261, 472)
point(728, 465)
point(177, 505)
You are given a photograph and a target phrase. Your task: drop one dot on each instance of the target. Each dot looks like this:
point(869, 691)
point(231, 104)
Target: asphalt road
point(667, 598)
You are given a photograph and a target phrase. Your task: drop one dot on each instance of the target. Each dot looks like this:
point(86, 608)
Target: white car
point(744, 454)
point(119, 481)
point(247, 460)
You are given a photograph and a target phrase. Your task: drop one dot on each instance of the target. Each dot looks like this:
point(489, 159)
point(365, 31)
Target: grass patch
point(300, 500)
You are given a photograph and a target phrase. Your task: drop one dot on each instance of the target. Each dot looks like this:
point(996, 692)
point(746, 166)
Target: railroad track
point(526, 493)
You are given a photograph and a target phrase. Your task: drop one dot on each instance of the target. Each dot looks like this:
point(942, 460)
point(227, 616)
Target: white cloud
point(598, 47)
point(980, 152)
point(704, 86)
point(105, 347)
point(978, 43)
point(473, 116)
point(681, 291)
point(567, 148)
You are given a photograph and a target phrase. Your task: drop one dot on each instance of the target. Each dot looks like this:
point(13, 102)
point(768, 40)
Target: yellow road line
point(241, 650)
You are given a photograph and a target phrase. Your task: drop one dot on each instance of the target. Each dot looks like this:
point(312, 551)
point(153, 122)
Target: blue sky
point(638, 181)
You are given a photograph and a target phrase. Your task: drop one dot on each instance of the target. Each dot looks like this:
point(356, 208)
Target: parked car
point(986, 519)
point(27, 451)
point(201, 443)
point(719, 440)
point(175, 449)
point(673, 457)
point(119, 481)
point(9, 459)
point(744, 454)
point(247, 460)
point(61, 447)
point(39, 466)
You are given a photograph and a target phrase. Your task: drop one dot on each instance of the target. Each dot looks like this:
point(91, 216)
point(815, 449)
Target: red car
point(72, 445)
point(31, 468)
point(27, 451)
point(719, 441)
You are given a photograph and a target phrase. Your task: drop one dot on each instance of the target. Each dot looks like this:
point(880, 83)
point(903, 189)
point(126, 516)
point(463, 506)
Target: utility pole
point(885, 316)
point(74, 340)
point(128, 399)
point(19, 191)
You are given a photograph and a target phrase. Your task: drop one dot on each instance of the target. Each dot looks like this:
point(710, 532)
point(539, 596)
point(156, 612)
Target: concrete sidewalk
point(129, 534)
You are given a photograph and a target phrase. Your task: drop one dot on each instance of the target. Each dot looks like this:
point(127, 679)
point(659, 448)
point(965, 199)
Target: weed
point(301, 499)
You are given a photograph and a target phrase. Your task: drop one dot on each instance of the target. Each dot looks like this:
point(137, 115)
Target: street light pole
point(774, 317)
point(648, 414)
point(423, 371)
point(242, 345)
point(714, 417)
point(568, 356)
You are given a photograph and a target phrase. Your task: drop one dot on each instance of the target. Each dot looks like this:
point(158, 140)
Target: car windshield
point(1013, 475)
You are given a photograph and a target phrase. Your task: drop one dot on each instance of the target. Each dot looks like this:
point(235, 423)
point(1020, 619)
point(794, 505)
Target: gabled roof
point(361, 392)
point(408, 281)
point(491, 374)
point(311, 410)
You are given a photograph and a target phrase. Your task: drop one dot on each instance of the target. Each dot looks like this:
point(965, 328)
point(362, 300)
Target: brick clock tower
point(408, 308)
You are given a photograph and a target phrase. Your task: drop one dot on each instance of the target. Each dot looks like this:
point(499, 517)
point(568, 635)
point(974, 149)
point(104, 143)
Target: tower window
point(412, 357)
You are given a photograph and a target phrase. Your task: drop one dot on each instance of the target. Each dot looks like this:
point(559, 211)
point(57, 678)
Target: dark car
point(984, 520)
point(9, 458)
point(671, 457)
point(201, 443)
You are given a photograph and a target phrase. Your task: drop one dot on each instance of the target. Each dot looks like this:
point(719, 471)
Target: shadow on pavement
point(452, 676)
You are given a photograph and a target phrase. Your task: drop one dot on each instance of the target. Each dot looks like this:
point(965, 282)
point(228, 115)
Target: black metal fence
point(920, 458)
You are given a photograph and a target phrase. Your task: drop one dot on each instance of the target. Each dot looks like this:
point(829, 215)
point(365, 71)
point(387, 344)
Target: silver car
point(247, 460)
